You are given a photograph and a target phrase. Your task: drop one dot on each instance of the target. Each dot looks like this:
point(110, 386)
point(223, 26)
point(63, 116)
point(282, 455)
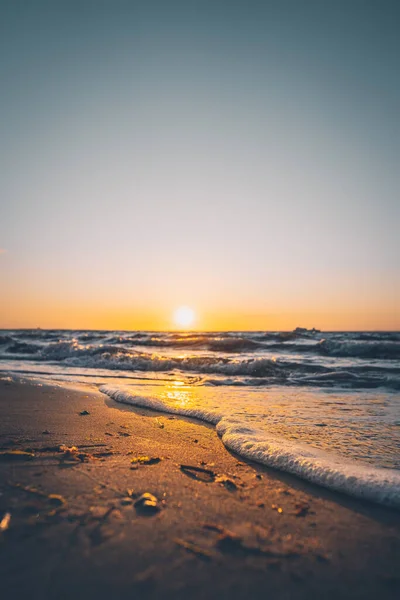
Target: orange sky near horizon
point(62, 300)
point(43, 314)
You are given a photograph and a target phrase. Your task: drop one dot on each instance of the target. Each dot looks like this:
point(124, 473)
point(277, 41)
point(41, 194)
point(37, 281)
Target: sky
point(237, 157)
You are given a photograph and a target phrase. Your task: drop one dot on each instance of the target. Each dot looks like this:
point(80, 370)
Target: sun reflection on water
point(179, 393)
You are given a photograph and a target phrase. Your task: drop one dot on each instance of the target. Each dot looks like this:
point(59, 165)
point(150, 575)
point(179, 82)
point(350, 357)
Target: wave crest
point(383, 350)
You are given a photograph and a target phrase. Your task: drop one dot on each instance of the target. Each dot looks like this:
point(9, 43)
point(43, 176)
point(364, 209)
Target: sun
point(184, 316)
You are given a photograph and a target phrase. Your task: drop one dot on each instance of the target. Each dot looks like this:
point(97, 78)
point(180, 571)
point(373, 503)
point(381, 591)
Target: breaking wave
point(234, 359)
point(383, 350)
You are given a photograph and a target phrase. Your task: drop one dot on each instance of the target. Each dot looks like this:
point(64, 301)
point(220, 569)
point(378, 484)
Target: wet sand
point(226, 528)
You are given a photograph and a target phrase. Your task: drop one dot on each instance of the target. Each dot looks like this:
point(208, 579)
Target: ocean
point(324, 406)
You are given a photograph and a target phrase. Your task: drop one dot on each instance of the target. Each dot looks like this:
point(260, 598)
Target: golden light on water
point(184, 316)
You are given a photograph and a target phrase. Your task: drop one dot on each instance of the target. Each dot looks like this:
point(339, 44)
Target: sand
point(238, 530)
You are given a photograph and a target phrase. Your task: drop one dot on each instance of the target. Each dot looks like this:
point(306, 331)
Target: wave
point(382, 350)
point(361, 345)
point(261, 367)
point(371, 349)
point(381, 486)
point(5, 339)
point(90, 336)
point(110, 356)
point(23, 348)
point(38, 334)
point(393, 336)
point(254, 370)
point(206, 342)
point(236, 344)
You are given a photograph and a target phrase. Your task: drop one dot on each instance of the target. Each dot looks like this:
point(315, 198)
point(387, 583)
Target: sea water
point(323, 406)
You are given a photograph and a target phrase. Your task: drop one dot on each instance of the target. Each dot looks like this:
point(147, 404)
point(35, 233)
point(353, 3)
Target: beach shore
point(74, 465)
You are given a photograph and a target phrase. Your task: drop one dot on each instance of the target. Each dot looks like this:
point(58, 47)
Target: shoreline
point(226, 527)
point(330, 471)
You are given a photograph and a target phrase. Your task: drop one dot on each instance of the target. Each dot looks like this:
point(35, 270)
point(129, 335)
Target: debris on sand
point(209, 476)
point(57, 500)
point(72, 454)
point(227, 482)
point(69, 450)
point(83, 413)
point(16, 455)
point(194, 549)
point(302, 509)
point(205, 475)
point(5, 522)
point(69, 454)
point(145, 460)
point(147, 504)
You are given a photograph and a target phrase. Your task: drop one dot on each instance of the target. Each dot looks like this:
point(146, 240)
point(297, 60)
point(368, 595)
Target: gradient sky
point(239, 157)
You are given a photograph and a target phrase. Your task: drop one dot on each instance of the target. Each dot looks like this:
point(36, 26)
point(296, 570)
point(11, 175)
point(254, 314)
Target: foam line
point(381, 486)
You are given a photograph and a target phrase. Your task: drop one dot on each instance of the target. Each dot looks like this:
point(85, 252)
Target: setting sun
point(184, 316)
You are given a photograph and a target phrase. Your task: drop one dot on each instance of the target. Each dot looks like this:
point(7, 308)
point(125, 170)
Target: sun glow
point(184, 316)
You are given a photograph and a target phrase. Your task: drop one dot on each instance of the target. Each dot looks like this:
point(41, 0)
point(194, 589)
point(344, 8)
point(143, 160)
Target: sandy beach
point(217, 527)
point(199, 310)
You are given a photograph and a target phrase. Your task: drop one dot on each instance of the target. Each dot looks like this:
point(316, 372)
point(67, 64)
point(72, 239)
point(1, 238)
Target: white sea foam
point(121, 394)
point(377, 485)
point(330, 471)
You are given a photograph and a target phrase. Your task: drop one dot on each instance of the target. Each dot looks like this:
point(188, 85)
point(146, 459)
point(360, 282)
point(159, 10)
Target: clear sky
point(238, 157)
